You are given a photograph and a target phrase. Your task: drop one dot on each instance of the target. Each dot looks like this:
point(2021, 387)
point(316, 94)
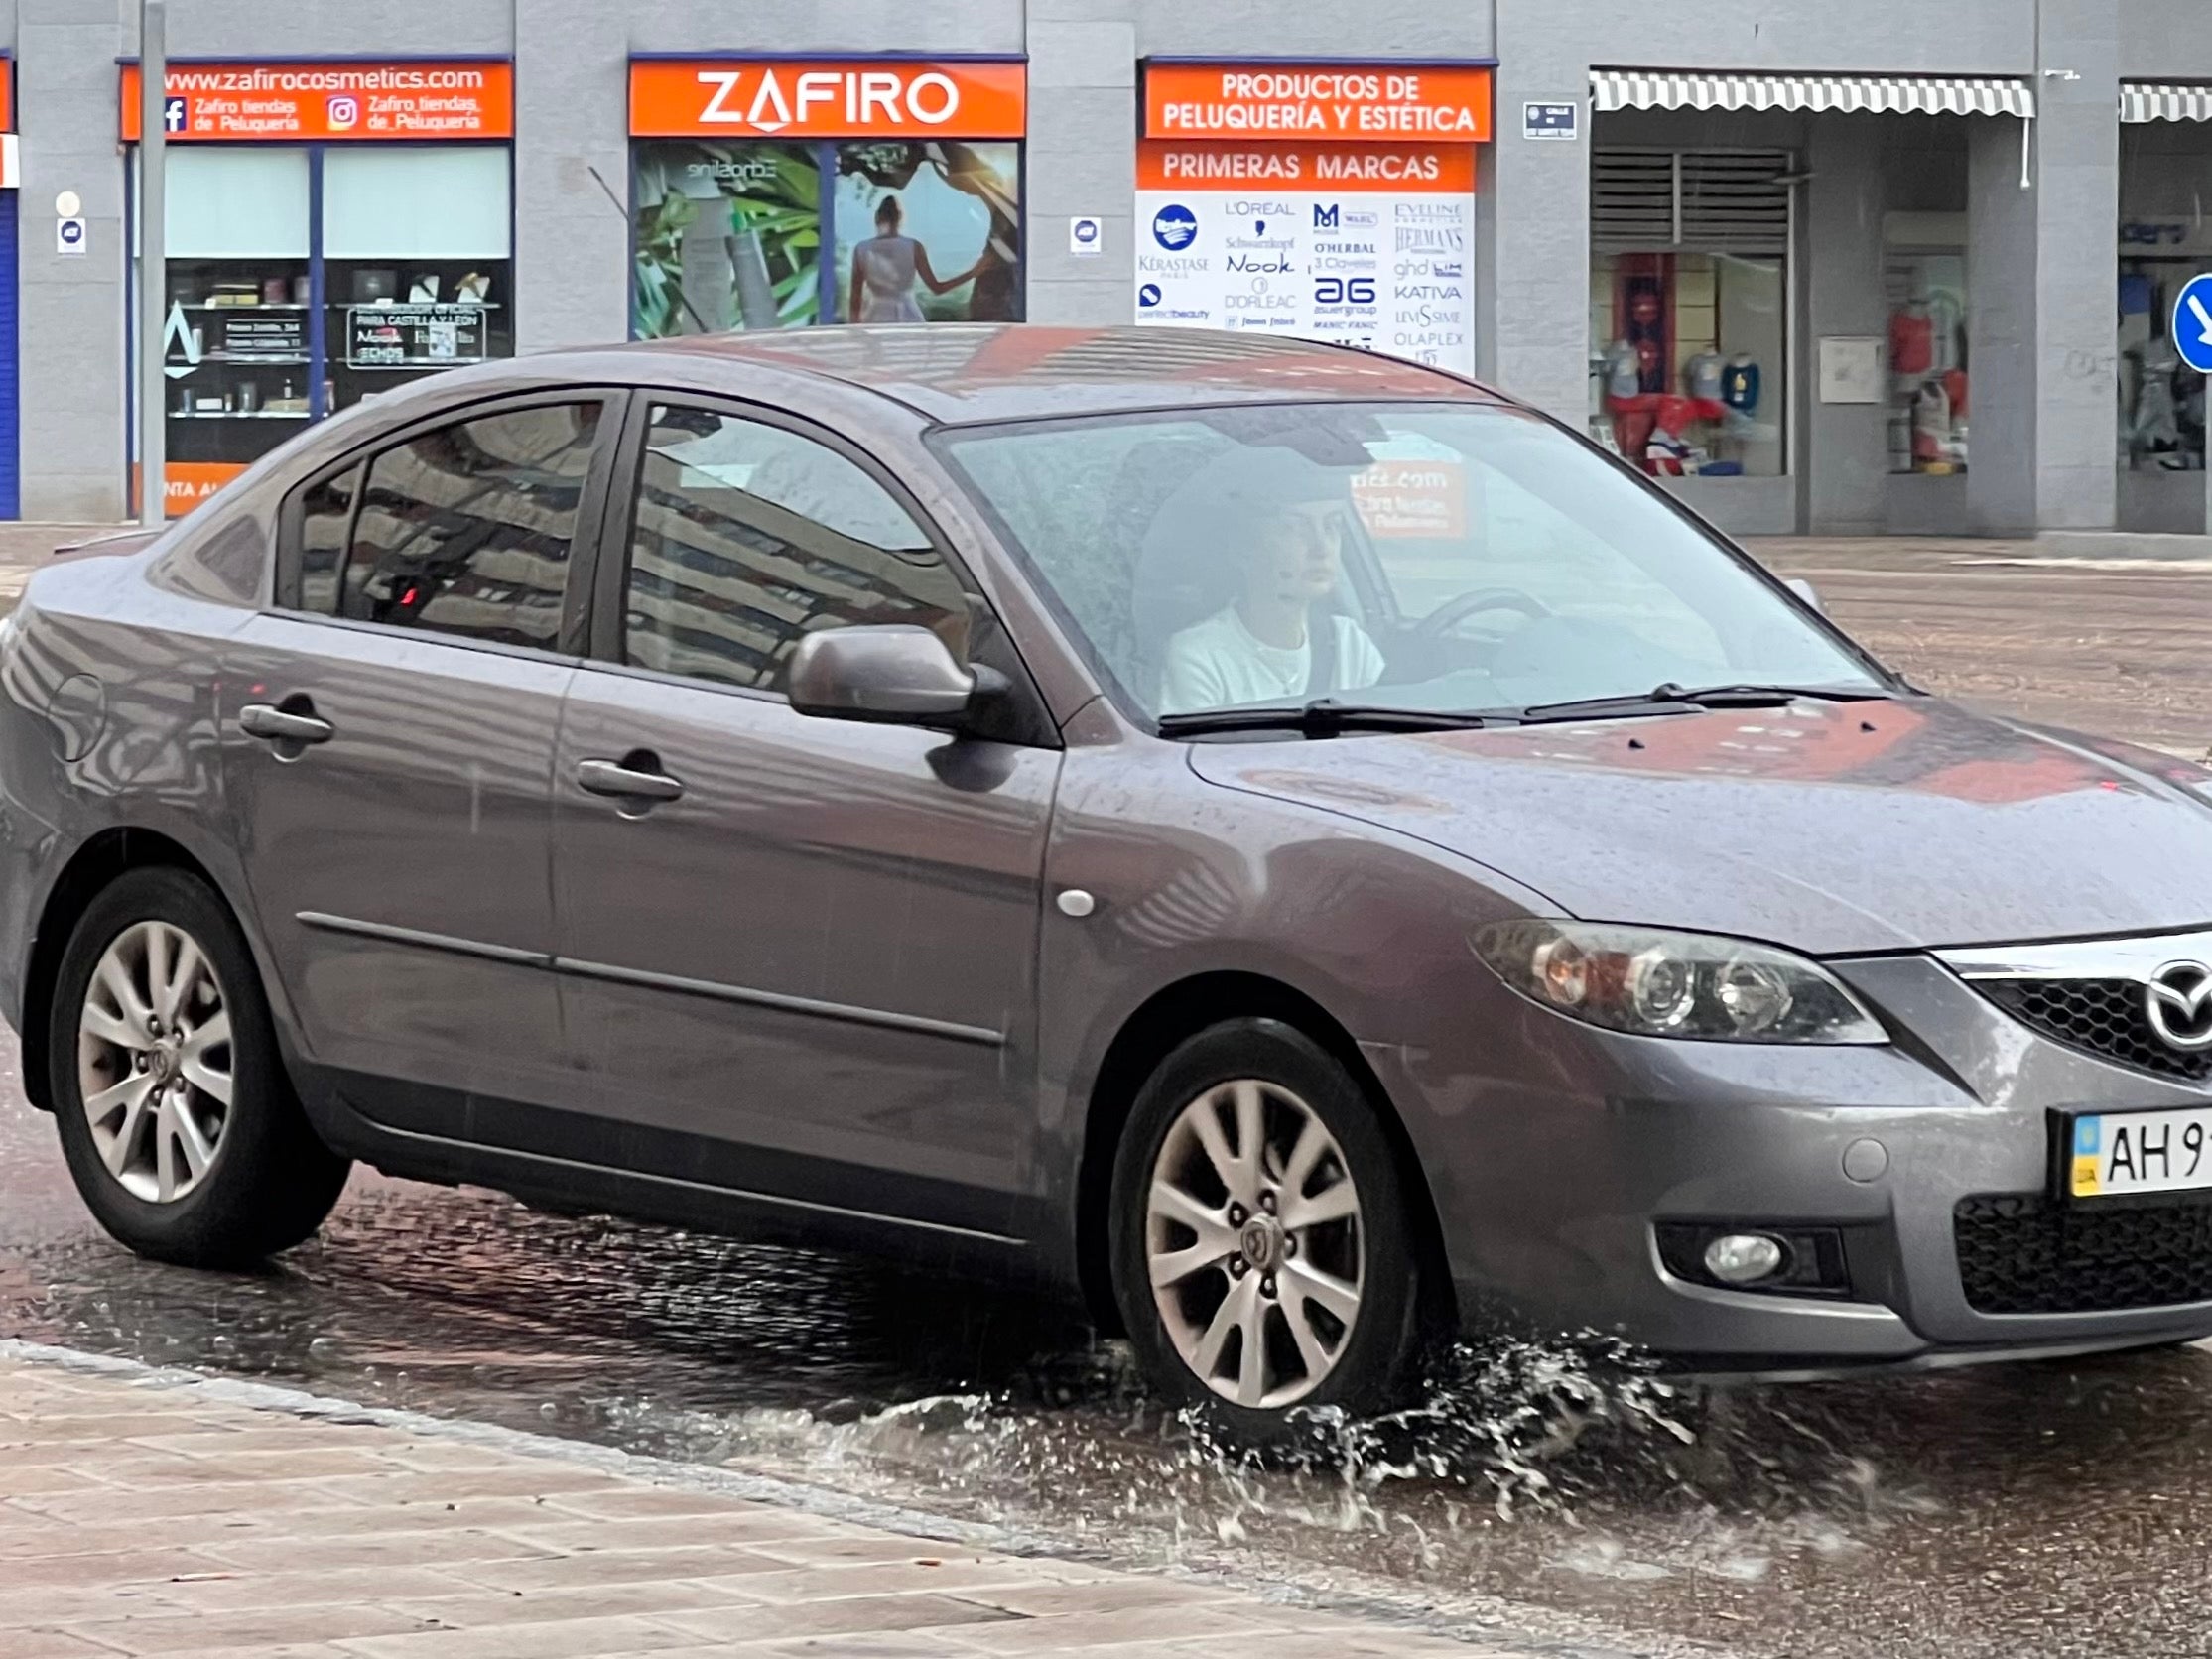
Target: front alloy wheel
point(1267, 1235)
point(1253, 1240)
point(154, 1062)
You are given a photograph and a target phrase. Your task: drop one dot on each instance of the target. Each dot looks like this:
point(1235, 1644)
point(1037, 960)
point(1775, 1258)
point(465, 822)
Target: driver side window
point(747, 536)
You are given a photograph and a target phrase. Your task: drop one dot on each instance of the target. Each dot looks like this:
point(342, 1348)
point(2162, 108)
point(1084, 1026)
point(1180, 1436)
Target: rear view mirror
point(895, 673)
point(1807, 592)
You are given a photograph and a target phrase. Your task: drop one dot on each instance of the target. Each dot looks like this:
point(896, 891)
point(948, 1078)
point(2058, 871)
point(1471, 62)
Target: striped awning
point(1612, 89)
point(2163, 100)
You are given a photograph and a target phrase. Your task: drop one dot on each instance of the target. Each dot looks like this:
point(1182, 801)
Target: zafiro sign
point(828, 99)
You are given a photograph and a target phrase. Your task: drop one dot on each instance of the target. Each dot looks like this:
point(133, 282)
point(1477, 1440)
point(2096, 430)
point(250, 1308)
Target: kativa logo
point(1174, 226)
point(345, 113)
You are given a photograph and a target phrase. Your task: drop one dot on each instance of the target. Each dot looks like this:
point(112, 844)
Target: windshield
point(1447, 558)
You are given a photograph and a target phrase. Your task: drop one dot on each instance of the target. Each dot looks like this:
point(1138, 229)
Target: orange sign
point(858, 98)
point(6, 96)
point(1357, 101)
point(187, 483)
point(1412, 499)
point(1436, 169)
point(287, 102)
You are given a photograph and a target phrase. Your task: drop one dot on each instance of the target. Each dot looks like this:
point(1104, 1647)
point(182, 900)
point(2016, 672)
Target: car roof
point(964, 373)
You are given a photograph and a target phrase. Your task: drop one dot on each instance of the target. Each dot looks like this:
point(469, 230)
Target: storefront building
point(334, 229)
point(1822, 269)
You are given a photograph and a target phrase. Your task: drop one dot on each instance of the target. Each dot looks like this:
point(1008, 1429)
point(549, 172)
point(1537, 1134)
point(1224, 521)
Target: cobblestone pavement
point(150, 1513)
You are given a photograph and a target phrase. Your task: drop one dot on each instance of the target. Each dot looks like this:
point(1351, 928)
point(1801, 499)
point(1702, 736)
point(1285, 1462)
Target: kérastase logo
point(1174, 226)
point(1148, 295)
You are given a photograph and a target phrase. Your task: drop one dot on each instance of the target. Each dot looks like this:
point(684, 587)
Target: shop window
point(465, 530)
point(235, 346)
point(414, 270)
point(1924, 286)
point(1689, 308)
point(2162, 399)
point(770, 235)
point(417, 262)
point(747, 538)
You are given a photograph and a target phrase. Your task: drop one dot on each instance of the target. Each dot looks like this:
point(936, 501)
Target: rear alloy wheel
point(154, 1062)
point(176, 1113)
point(1265, 1255)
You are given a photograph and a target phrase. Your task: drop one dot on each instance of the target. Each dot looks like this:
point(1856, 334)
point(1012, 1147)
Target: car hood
point(1833, 828)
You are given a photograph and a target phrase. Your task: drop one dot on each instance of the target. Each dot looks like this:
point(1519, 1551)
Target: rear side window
point(462, 530)
point(326, 531)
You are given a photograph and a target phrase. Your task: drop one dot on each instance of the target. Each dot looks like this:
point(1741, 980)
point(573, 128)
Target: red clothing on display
point(1912, 343)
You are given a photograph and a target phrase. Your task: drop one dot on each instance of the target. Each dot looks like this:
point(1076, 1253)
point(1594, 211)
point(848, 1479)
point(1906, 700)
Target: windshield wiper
point(1324, 717)
point(1669, 698)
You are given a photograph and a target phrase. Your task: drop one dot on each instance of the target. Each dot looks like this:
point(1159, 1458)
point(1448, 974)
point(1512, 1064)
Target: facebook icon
point(176, 114)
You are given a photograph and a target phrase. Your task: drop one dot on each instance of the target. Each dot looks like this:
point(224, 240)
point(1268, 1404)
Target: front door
point(797, 955)
point(388, 737)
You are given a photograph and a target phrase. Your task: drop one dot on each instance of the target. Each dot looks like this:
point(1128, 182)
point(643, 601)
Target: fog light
point(1744, 1258)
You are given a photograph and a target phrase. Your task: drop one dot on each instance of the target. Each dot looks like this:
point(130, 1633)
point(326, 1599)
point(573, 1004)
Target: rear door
point(801, 965)
point(388, 744)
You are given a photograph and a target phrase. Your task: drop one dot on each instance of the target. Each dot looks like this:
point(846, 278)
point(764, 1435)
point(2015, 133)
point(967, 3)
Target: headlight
point(1675, 984)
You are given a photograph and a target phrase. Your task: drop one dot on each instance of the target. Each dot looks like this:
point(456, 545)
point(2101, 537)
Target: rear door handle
point(625, 780)
point(283, 725)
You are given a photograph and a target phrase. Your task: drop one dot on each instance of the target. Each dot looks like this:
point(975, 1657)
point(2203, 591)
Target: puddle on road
point(1567, 1495)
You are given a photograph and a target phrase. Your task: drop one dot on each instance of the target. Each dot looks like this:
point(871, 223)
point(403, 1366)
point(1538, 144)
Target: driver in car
point(1277, 638)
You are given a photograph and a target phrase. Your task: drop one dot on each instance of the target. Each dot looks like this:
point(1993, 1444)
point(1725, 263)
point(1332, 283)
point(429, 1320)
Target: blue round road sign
point(2192, 324)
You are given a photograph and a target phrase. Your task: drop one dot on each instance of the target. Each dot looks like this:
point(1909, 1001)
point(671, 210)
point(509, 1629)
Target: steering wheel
point(1452, 612)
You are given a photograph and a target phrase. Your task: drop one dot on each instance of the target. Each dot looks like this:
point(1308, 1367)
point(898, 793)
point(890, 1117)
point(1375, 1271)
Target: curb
point(819, 1502)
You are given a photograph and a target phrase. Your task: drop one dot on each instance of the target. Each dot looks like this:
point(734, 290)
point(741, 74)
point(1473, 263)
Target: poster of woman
point(946, 223)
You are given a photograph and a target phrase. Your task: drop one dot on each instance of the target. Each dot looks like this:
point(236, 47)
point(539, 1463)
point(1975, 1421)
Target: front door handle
point(284, 725)
point(632, 778)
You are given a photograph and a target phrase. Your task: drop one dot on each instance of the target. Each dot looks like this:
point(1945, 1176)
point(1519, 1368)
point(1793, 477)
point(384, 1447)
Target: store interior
point(275, 320)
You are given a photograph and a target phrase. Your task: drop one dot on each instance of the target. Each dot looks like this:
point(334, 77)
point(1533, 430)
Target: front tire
point(1265, 1255)
point(178, 1123)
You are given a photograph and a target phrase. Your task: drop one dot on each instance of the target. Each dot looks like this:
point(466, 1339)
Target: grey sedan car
point(1293, 848)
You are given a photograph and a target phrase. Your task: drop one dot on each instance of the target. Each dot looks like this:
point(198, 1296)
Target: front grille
point(2103, 1016)
point(2029, 1254)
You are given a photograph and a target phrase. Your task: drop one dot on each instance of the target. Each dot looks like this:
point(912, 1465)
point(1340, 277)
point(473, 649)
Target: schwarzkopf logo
point(2178, 1004)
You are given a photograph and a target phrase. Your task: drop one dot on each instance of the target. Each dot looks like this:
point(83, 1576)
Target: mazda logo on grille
point(2178, 1004)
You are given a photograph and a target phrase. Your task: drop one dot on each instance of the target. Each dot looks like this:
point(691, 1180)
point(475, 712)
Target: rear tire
point(179, 1122)
point(1258, 1205)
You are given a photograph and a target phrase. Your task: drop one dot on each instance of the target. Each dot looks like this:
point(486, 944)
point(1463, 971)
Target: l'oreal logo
point(868, 98)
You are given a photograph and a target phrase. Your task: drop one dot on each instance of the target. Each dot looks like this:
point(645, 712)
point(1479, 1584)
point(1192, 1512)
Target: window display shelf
point(237, 413)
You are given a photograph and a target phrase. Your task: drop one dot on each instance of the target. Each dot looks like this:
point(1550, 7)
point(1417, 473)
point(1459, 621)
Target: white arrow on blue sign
point(2192, 324)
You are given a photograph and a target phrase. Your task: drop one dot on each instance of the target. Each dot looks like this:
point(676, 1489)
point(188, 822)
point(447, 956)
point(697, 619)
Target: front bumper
point(1553, 1150)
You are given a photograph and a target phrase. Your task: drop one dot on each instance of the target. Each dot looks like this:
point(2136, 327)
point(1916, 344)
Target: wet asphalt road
point(2025, 1510)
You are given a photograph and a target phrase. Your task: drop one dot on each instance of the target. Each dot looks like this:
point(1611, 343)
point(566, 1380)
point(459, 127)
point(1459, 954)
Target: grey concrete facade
point(2038, 219)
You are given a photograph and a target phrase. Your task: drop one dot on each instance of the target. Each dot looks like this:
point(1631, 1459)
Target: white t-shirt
point(1220, 663)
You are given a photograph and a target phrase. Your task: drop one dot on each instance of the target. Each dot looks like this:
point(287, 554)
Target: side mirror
point(895, 673)
point(1807, 592)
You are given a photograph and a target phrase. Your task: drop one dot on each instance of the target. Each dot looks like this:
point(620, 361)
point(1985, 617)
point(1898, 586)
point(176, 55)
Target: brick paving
point(152, 1514)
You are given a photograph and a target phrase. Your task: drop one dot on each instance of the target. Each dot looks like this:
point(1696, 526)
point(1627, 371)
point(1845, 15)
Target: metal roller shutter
point(1711, 201)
